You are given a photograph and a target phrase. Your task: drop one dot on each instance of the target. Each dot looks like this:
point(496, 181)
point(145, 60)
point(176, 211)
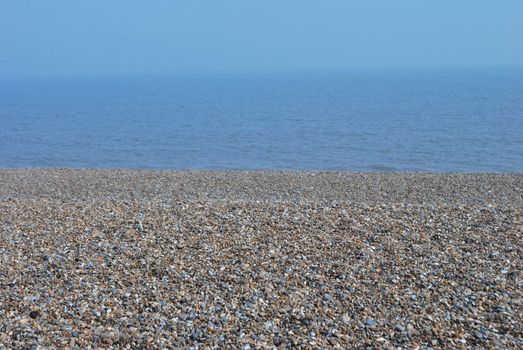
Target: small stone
point(195, 335)
point(34, 314)
point(479, 335)
point(370, 322)
point(277, 341)
point(494, 254)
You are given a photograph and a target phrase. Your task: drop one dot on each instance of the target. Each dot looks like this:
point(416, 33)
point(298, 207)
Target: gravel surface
point(260, 260)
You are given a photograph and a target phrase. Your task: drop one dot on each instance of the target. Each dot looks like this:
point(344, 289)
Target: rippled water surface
point(419, 120)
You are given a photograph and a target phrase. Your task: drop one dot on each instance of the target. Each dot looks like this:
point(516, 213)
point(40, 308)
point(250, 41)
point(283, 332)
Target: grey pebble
point(370, 322)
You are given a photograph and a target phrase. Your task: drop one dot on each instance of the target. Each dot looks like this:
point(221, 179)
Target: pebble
point(145, 259)
point(277, 341)
point(370, 323)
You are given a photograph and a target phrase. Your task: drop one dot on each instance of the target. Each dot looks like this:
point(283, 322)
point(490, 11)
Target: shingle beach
point(260, 260)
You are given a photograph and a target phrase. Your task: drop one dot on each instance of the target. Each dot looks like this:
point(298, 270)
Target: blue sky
point(125, 37)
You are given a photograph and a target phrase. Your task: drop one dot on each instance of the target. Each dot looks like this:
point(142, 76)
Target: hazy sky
point(101, 37)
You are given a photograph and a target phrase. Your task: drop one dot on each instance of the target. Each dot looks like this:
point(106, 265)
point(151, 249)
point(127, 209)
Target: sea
point(446, 120)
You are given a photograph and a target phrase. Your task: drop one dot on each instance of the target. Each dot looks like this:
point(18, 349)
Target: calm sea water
point(420, 120)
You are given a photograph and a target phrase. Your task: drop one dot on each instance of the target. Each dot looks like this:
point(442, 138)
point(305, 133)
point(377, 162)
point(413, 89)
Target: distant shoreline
point(340, 186)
